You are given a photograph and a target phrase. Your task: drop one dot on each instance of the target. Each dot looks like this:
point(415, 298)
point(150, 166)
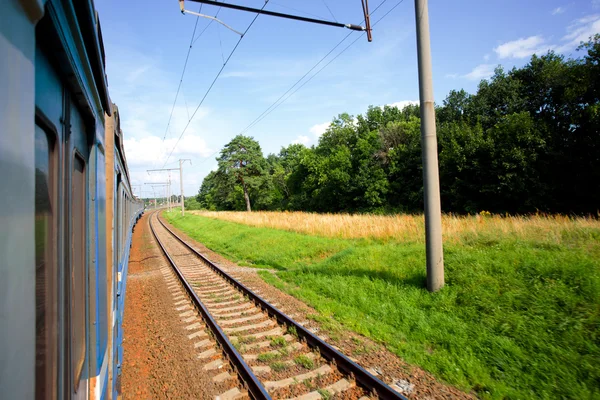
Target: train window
point(46, 270)
point(78, 267)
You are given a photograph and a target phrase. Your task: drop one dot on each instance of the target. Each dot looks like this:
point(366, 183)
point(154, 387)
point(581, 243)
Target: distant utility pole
point(431, 178)
point(180, 169)
point(181, 161)
point(165, 184)
point(169, 192)
point(168, 182)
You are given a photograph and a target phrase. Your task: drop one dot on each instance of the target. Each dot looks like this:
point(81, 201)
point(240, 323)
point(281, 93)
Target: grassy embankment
point(518, 318)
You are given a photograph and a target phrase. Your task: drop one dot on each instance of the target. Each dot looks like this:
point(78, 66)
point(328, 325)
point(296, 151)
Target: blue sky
point(146, 43)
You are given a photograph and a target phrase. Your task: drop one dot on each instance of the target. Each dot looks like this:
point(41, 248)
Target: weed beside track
point(518, 317)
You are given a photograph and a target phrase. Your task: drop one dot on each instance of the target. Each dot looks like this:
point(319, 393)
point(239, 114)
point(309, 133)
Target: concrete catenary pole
point(168, 183)
point(181, 185)
point(181, 161)
point(169, 192)
point(431, 179)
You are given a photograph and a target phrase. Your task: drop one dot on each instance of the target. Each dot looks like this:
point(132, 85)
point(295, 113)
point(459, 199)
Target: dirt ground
point(411, 381)
point(159, 361)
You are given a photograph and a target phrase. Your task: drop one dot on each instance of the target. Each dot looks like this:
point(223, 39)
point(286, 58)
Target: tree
point(281, 167)
point(528, 140)
point(240, 161)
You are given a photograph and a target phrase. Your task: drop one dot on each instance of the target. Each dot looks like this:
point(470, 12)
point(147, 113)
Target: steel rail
point(255, 388)
point(362, 376)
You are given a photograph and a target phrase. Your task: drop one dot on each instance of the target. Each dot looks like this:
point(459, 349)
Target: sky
point(146, 44)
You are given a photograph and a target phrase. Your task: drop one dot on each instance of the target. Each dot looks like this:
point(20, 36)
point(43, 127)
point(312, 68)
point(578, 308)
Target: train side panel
point(69, 206)
point(17, 204)
point(127, 210)
point(110, 126)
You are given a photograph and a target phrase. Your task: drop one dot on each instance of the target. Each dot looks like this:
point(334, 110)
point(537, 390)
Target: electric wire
point(274, 105)
point(329, 9)
point(206, 27)
point(295, 9)
point(214, 81)
point(182, 74)
point(333, 59)
point(220, 44)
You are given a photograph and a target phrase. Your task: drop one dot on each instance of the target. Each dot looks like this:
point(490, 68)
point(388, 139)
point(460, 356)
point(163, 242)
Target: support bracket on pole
point(365, 6)
point(184, 11)
point(276, 14)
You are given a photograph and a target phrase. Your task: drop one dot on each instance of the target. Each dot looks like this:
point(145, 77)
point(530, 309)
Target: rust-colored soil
point(159, 360)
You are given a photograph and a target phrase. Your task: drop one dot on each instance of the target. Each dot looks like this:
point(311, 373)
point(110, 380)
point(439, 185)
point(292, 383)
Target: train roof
point(91, 31)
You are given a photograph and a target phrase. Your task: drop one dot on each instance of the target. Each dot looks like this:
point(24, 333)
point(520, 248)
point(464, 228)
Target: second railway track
point(252, 348)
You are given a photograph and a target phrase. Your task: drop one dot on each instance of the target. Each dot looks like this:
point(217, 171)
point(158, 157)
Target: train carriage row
point(67, 209)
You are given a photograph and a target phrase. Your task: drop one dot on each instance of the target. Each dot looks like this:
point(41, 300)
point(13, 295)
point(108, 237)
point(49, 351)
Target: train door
point(50, 134)
point(77, 307)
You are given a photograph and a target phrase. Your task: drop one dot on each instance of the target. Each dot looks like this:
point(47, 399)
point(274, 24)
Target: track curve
point(303, 366)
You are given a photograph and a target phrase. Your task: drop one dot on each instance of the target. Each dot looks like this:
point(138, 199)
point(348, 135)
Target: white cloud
point(482, 71)
point(523, 47)
point(305, 140)
point(452, 76)
point(580, 31)
point(486, 57)
point(238, 74)
point(558, 10)
point(138, 72)
point(316, 130)
point(319, 129)
point(150, 150)
point(404, 103)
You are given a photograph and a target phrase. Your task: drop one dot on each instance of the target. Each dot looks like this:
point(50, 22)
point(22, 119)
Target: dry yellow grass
point(547, 228)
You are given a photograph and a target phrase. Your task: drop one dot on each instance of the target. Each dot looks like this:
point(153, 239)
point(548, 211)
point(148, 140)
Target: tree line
point(527, 141)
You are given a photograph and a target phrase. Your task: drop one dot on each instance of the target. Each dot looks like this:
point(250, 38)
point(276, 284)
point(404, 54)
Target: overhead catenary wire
point(279, 101)
point(182, 74)
point(275, 105)
point(297, 10)
point(334, 58)
point(207, 26)
point(214, 81)
point(215, 19)
point(329, 9)
point(220, 44)
point(278, 14)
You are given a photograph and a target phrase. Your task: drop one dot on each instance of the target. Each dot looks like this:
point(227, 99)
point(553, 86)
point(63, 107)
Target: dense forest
point(527, 141)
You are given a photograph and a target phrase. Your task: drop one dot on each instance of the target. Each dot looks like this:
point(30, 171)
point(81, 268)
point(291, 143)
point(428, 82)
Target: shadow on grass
point(416, 280)
point(399, 266)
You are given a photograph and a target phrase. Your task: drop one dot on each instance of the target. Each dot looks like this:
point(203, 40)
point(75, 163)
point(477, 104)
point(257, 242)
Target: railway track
point(249, 347)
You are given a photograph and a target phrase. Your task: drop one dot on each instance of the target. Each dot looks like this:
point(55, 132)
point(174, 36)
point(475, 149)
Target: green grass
point(267, 357)
point(278, 366)
point(324, 394)
point(304, 361)
point(278, 341)
point(516, 319)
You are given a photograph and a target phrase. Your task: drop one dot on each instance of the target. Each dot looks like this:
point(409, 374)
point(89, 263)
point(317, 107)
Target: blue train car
point(67, 210)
